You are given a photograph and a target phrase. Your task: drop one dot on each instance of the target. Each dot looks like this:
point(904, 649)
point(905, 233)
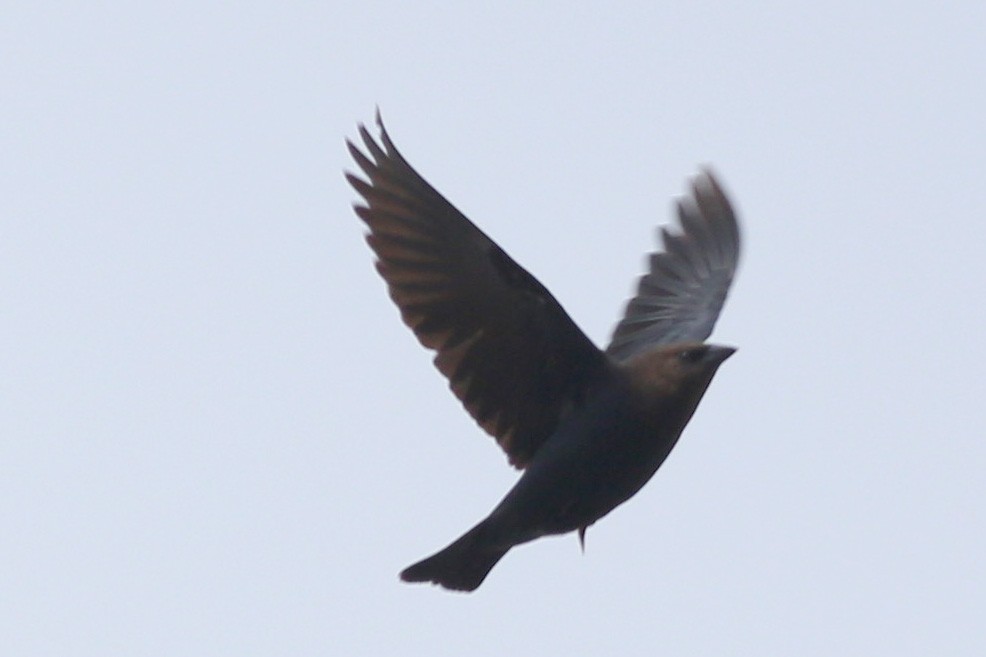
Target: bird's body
point(598, 458)
point(590, 428)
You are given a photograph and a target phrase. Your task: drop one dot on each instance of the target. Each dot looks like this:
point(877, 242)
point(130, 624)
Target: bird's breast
point(602, 454)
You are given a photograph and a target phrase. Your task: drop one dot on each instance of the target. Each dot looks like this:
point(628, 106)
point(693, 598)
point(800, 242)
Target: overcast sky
point(217, 438)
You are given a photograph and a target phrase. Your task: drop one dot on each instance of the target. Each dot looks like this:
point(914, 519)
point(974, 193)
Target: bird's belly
point(581, 474)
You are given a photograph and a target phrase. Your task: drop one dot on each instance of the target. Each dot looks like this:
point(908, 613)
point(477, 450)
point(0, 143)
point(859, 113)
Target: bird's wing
point(679, 299)
point(510, 351)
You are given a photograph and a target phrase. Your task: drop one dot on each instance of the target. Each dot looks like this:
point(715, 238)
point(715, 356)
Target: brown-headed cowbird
point(588, 427)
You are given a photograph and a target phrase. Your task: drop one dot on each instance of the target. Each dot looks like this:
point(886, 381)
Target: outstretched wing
point(510, 352)
point(680, 298)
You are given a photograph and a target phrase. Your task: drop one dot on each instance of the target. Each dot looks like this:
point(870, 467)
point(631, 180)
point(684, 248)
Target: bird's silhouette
point(588, 427)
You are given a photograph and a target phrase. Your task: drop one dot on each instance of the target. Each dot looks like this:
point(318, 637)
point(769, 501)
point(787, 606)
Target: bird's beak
point(717, 353)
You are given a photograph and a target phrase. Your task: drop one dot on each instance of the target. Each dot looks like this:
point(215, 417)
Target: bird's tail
point(462, 566)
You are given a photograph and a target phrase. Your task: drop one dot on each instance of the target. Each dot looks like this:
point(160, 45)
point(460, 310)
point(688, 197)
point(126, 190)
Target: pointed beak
point(717, 353)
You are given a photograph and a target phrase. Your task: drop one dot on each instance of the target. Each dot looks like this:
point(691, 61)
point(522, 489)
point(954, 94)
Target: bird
point(588, 427)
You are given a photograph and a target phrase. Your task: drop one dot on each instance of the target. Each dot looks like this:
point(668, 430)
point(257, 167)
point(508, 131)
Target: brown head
point(677, 374)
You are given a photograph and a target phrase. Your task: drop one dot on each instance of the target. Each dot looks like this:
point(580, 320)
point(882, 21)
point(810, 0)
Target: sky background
point(217, 438)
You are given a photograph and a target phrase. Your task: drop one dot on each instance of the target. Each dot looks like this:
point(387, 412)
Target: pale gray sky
point(217, 438)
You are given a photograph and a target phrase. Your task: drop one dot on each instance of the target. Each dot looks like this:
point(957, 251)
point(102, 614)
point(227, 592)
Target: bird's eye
point(693, 355)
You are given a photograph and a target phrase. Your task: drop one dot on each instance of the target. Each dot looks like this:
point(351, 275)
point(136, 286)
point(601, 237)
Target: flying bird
point(588, 427)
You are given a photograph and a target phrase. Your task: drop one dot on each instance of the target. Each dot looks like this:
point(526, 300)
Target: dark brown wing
point(510, 352)
point(679, 300)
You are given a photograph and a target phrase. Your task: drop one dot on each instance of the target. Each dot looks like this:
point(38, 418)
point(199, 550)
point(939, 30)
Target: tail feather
point(462, 566)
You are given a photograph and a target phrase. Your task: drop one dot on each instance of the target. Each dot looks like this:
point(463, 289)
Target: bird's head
point(676, 369)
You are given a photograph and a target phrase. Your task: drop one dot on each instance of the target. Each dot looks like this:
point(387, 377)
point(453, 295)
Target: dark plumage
point(588, 427)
